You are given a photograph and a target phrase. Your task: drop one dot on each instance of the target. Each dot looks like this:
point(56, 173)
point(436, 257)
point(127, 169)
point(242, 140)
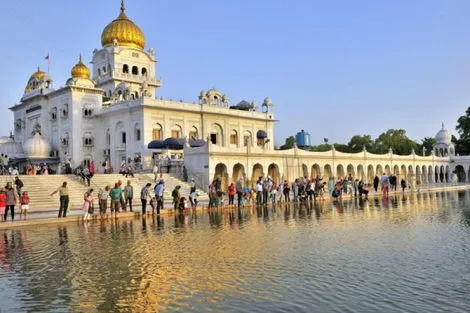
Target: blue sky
point(333, 68)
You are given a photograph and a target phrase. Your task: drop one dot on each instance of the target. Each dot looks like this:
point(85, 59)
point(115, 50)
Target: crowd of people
point(301, 189)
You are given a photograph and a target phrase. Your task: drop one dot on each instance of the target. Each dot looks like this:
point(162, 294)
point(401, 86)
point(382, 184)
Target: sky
point(334, 68)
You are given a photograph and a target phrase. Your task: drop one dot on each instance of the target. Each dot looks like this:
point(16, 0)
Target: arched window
point(125, 69)
point(137, 95)
point(99, 72)
point(87, 110)
point(104, 69)
point(216, 134)
point(193, 132)
point(247, 138)
point(157, 132)
point(88, 140)
point(176, 131)
point(135, 70)
point(65, 111)
point(233, 137)
point(54, 114)
point(144, 71)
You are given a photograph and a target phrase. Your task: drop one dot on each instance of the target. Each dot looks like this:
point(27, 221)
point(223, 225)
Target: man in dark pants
point(239, 189)
point(64, 199)
point(159, 195)
point(144, 196)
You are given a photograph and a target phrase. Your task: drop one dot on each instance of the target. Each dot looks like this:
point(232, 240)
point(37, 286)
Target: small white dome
point(443, 136)
point(37, 147)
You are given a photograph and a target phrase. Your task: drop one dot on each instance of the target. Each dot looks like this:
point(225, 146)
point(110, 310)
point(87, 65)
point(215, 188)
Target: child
point(3, 203)
point(182, 203)
point(88, 205)
point(193, 199)
point(24, 202)
point(153, 204)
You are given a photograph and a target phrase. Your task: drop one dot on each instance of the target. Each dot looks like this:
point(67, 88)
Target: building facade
point(111, 112)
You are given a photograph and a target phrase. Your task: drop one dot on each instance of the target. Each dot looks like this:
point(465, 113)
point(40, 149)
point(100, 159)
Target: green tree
point(397, 140)
point(358, 142)
point(462, 145)
point(321, 148)
point(289, 144)
point(426, 143)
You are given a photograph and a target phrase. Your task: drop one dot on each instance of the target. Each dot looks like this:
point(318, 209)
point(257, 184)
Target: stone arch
point(418, 174)
point(387, 170)
point(447, 174)
point(144, 71)
point(234, 137)
point(339, 172)
point(217, 134)
point(379, 170)
point(125, 69)
point(135, 70)
point(360, 172)
point(222, 173)
point(437, 174)
point(327, 173)
point(157, 132)
point(193, 133)
point(257, 172)
point(247, 138)
point(431, 178)
point(424, 174)
point(273, 172)
point(396, 170)
point(460, 172)
point(304, 170)
point(441, 174)
point(410, 173)
point(176, 131)
point(403, 172)
point(315, 171)
point(238, 172)
point(370, 173)
point(350, 170)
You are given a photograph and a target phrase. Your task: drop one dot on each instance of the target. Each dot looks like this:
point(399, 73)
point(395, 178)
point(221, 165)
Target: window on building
point(214, 138)
point(157, 133)
point(125, 69)
point(137, 134)
point(99, 72)
point(65, 111)
point(193, 132)
point(87, 111)
point(233, 137)
point(87, 140)
point(54, 114)
point(123, 135)
point(176, 131)
point(135, 70)
point(144, 71)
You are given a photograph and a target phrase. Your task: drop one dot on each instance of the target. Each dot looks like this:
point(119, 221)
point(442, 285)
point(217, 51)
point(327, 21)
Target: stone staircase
point(39, 188)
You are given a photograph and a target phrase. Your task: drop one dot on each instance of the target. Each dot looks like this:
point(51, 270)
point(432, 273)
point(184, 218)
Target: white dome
point(37, 147)
point(443, 136)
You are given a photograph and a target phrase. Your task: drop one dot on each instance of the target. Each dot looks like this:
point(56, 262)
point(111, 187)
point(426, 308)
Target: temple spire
point(123, 7)
point(443, 126)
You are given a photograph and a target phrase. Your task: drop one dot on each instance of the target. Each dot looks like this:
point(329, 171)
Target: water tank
point(302, 139)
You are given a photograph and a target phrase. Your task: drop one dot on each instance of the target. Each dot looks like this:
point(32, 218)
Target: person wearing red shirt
point(3, 203)
point(24, 204)
point(231, 193)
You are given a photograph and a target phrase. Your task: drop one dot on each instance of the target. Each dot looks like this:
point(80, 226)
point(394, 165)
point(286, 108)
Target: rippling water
point(404, 254)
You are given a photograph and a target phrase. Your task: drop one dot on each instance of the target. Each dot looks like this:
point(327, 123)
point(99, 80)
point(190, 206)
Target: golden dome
point(38, 74)
point(34, 80)
point(80, 70)
point(124, 31)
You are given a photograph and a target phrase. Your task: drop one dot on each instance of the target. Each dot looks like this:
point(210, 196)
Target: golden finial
point(123, 7)
point(80, 58)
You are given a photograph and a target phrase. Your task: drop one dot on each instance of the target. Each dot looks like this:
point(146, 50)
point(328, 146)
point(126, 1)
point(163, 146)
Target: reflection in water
point(358, 255)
